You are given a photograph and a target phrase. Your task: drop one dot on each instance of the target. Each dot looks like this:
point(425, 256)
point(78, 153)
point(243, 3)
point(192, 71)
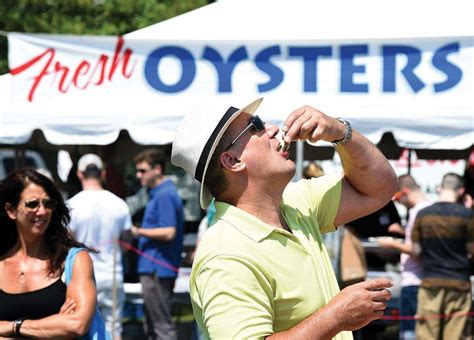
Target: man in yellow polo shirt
point(262, 271)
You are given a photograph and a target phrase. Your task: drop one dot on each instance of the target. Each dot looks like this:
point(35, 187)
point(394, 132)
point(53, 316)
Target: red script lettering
point(81, 75)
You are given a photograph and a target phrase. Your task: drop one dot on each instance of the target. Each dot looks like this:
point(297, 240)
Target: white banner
point(85, 89)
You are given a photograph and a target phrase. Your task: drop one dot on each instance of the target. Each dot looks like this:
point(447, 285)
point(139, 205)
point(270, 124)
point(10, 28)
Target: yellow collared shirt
point(250, 280)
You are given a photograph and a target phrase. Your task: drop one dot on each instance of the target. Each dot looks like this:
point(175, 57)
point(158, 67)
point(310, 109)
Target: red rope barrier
point(427, 316)
point(149, 257)
point(385, 317)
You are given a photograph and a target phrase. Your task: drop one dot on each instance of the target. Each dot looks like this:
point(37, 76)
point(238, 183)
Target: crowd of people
point(41, 230)
point(435, 260)
point(260, 269)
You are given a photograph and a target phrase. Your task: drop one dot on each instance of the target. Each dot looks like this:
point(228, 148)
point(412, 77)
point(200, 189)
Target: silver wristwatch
point(347, 133)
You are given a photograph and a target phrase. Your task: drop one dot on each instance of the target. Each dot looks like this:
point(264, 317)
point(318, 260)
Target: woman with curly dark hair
point(34, 243)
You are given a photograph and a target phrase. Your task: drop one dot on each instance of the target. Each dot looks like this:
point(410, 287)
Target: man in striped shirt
point(443, 236)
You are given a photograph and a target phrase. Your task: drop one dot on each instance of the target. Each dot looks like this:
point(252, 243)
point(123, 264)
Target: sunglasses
point(47, 203)
point(141, 171)
point(256, 123)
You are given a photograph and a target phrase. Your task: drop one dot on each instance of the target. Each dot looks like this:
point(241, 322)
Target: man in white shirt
point(411, 196)
point(98, 217)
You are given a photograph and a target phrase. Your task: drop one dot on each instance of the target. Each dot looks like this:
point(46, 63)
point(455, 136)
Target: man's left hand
point(308, 123)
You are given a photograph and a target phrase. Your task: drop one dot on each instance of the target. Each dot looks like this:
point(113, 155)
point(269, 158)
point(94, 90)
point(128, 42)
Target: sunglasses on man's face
point(47, 203)
point(256, 123)
point(141, 171)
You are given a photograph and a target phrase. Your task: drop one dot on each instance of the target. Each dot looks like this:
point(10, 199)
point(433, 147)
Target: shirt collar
point(156, 188)
point(244, 222)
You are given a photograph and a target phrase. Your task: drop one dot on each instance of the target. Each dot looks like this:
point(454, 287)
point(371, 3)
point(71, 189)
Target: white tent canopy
point(355, 73)
point(316, 20)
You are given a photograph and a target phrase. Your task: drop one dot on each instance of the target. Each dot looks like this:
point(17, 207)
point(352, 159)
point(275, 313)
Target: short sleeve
point(237, 300)
point(127, 223)
point(73, 222)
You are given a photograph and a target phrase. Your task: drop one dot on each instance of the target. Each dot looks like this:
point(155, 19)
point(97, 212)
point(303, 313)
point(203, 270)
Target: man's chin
point(292, 165)
point(291, 171)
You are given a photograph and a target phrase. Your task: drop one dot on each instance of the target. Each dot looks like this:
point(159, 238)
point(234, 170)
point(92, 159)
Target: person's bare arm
point(351, 309)
point(396, 228)
point(7, 328)
point(76, 314)
point(394, 244)
point(160, 234)
point(369, 180)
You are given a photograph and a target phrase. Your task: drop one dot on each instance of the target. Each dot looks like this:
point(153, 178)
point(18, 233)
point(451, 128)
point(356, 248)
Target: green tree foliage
point(96, 17)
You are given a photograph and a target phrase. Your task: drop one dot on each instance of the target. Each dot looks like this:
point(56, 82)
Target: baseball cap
point(89, 159)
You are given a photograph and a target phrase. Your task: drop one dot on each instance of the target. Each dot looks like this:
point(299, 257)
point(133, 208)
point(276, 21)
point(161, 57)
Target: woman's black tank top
point(33, 305)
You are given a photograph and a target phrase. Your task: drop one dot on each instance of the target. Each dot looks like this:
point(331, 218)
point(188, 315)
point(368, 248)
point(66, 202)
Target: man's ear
point(80, 175)
point(158, 170)
point(230, 162)
point(10, 210)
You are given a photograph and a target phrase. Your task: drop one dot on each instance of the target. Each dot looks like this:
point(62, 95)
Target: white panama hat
point(196, 140)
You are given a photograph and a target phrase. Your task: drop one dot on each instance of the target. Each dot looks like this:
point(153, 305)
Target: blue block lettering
point(263, 62)
point(348, 68)
point(224, 69)
point(188, 67)
point(441, 62)
point(310, 71)
point(389, 67)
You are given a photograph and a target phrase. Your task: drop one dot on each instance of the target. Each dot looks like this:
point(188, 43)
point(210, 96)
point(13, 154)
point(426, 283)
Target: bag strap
point(69, 263)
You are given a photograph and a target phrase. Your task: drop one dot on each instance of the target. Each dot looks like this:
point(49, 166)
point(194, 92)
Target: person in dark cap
point(262, 270)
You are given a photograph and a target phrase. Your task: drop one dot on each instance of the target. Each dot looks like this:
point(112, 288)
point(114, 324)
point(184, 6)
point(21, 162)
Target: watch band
point(17, 323)
point(347, 133)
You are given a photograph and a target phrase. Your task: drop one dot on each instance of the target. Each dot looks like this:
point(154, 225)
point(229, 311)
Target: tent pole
point(114, 285)
point(299, 160)
point(409, 160)
point(19, 157)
